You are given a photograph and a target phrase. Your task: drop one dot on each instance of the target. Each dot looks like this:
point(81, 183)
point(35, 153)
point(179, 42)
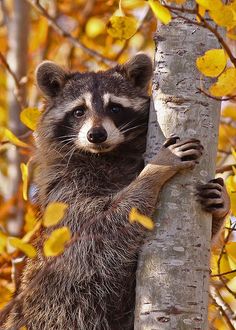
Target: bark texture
point(173, 270)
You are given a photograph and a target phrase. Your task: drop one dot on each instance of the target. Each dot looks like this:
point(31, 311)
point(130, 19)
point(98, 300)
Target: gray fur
point(91, 286)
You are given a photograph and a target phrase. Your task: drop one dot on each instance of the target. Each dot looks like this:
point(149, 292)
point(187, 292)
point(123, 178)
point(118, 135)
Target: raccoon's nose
point(97, 135)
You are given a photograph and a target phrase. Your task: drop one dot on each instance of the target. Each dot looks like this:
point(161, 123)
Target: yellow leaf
point(231, 188)
point(178, 2)
point(25, 175)
point(55, 244)
point(38, 34)
point(5, 295)
point(212, 63)
point(233, 153)
point(122, 27)
point(7, 136)
point(23, 328)
point(54, 213)
point(30, 117)
point(231, 183)
point(226, 83)
point(201, 11)
point(28, 249)
point(161, 13)
point(3, 242)
point(231, 34)
point(94, 27)
point(209, 4)
point(27, 237)
point(145, 221)
point(30, 219)
point(229, 111)
point(224, 266)
point(132, 4)
point(234, 168)
point(137, 40)
point(220, 324)
point(231, 249)
point(232, 284)
point(223, 16)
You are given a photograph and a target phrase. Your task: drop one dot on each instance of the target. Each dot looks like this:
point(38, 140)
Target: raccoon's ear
point(50, 78)
point(139, 70)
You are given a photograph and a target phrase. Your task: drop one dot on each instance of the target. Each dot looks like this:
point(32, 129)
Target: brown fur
point(92, 285)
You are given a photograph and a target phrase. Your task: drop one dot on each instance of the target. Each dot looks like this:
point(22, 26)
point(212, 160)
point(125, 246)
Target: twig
point(218, 37)
point(8, 68)
point(86, 12)
point(219, 261)
point(17, 82)
point(233, 97)
point(67, 35)
point(223, 307)
point(126, 43)
point(205, 24)
point(225, 273)
point(225, 168)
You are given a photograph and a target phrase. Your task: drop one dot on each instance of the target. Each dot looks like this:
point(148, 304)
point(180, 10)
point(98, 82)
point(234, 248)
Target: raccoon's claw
point(171, 140)
point(179, 155)
point(214, 198)
point(188, 150)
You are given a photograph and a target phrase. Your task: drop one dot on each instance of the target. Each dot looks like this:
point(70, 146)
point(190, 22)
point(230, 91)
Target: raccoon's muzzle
point(97, 135)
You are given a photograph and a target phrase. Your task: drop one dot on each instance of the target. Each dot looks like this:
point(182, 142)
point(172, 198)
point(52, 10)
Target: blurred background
point(72, 33)
point(83, 35)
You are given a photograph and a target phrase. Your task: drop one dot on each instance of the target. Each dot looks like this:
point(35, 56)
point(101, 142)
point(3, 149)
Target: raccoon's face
point(95, 112)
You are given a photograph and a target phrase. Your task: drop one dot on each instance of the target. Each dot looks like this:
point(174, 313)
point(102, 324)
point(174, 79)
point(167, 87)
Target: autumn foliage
point(90, 35)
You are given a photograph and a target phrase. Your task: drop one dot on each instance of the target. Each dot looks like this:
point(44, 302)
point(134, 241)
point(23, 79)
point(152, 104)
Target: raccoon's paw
point(214, 198)
point(180, 154)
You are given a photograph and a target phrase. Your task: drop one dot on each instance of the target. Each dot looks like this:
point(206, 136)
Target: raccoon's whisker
point(69, 151)
point(134, 127)
point(66, 136)
point(71, 128)
point(126, 124)
point(62, 149)
point(72, 152)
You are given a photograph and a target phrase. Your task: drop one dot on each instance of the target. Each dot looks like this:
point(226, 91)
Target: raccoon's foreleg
point(173, 157)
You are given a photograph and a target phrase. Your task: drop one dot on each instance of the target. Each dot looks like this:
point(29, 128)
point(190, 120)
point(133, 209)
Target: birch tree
point(18, 27)
point(83, 35)
point(173, 271)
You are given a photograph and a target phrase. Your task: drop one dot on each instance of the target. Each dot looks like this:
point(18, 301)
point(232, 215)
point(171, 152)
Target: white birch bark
point(18, 30)
point(173, 270)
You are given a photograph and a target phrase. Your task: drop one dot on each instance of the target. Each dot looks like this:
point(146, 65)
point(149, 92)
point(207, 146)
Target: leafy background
point(90, 35)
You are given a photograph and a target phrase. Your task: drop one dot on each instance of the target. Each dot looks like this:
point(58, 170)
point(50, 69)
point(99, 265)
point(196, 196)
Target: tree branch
point(206, 25)
point(8, 68)
point(225, 273)
point(36, 4)
point(225, 168)
point(223, 307)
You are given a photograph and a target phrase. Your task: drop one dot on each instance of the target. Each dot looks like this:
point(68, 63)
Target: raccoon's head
point(95, 112)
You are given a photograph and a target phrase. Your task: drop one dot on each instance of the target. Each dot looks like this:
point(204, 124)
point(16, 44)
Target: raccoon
point(90, 144)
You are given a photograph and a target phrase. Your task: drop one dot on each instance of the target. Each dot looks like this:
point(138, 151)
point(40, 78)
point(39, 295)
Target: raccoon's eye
point(116, 108)
point(78, 112)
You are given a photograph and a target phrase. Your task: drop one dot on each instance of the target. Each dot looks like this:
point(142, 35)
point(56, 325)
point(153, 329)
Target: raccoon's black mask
point(96, 112)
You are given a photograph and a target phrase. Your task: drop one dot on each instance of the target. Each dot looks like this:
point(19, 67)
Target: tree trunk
point(173, 270)
point(18, 29)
